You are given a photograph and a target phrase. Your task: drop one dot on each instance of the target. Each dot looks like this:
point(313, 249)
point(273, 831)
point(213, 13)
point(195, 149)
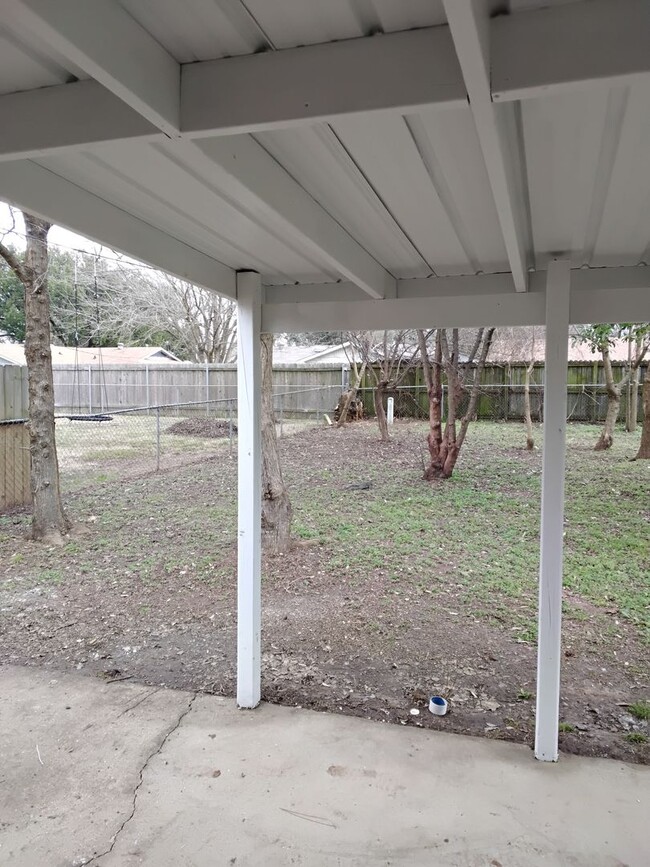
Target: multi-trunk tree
point(387, 357)
point(462, 371)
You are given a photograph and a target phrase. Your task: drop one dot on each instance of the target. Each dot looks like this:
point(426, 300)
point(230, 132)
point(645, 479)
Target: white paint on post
point(390, 412)
point(549, 647)
point(249, 497)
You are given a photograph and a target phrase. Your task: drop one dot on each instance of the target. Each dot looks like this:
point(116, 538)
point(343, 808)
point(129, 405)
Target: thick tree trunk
point(444, 447)
point(49, 522)
point(606, 437)
point(633, 402)
point(528, 419)
point(351, 395)
point(276, 505)
point(644, 448)
point(380, 410)
point(433, 380)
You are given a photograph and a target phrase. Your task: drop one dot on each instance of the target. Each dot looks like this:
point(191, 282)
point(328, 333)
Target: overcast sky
point(58, 236)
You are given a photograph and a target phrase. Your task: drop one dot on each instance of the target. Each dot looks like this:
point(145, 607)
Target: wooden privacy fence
point(304, 389)
point(14, 438)
point(14, 466)
point(501, 396)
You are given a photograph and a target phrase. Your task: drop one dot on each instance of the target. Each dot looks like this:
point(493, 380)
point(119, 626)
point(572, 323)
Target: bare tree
point(197, 324)
point(463, 377)
point(276, 505)
point(353, 389)
point(388, 356)
point(49, 521)
point(515, 345)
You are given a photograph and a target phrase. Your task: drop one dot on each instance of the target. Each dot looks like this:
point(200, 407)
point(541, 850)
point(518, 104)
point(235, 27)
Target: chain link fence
point(115, 444)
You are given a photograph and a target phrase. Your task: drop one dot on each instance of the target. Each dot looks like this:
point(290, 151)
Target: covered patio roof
point(362, 164)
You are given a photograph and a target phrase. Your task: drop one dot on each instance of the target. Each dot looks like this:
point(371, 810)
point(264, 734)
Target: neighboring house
point(14, 353)
point(513, 345)
point(319, 353)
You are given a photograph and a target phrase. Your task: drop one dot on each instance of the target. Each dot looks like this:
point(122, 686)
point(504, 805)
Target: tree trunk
point(606, 437)
point(380, 410)
point(633, 402)
point(644, 448)
point(351, 395)
point(528, 420)
point(444, 447)
point(276, 505)
point(49, 522)
point(433, 380)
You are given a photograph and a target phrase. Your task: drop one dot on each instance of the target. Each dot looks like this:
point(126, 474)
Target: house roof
point(316, 353)
point(14, 353)
point(434, 155)
point(515, 345)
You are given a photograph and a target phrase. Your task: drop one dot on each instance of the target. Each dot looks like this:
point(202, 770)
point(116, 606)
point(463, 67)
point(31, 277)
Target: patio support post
point(558, 282)
point(249, 379)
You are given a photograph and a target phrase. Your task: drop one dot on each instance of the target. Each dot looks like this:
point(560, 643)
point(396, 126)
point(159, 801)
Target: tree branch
point(14, 263)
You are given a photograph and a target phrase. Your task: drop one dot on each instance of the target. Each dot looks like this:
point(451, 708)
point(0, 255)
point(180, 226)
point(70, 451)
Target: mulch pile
point(210, 428)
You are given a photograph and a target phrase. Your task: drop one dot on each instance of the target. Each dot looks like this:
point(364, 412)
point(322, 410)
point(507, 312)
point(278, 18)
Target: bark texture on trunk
point(49, 521)
point(613, 389)
point(644, 448)
point(633, 402)
point(276, 505)
point(445, 445)
point(380, 410)
point(528, 419)
point(351, 394)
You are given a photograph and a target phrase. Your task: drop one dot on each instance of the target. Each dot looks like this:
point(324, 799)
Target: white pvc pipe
point(390, 414)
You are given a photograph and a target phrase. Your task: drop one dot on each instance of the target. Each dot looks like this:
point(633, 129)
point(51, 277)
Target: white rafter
point(77, 115)
point(106, 42)
point(242, 171)
point(470, 28)
point(40, 191)
point(597, 43)
point(597, 295)
point(125, 59)
point(549, 50)
point(402, 71)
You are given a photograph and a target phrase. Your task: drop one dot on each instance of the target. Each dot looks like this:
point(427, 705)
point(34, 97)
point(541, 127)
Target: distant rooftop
point(14, 353)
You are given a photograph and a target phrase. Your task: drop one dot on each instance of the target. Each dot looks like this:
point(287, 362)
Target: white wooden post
point(249, 381)
point(558, 285)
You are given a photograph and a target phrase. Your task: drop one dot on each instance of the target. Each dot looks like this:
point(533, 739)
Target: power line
point(133, 263)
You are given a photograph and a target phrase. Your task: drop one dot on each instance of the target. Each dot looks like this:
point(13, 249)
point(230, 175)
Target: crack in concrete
point(155, 752)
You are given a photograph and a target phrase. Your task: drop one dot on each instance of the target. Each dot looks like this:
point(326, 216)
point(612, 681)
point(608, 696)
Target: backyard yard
point(396, 588)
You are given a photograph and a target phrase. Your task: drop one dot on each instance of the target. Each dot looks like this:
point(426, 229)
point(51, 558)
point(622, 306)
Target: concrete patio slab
point(123, 774)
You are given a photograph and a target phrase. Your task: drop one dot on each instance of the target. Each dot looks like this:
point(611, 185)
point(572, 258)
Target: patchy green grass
point(566, 727)
point(640, 709)
point(636, 738)
point(478, 532)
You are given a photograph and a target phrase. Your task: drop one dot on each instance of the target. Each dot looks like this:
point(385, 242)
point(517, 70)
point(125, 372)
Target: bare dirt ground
point(395, 590)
